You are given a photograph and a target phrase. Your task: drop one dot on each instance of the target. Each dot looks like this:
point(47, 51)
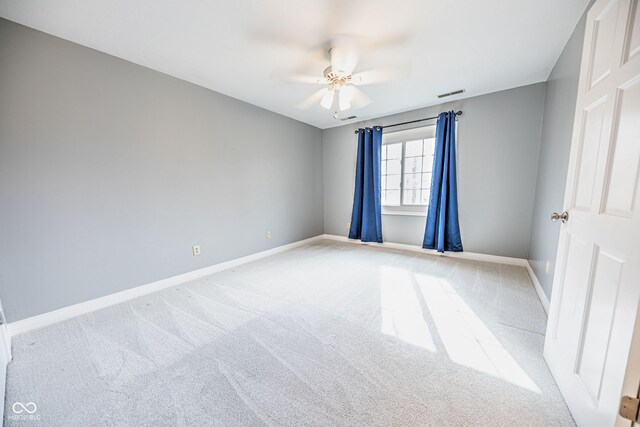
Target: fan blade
point(299, 78)
point(373, 77)
point(312, 100)
point(392, 41)
point(359, 99)
point(343, 58)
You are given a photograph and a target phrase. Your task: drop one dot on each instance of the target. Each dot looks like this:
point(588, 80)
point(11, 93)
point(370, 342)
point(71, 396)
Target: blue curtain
point(366, 217)
point(443, 231)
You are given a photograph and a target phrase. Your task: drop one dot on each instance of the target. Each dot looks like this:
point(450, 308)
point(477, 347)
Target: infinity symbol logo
point(28, 407)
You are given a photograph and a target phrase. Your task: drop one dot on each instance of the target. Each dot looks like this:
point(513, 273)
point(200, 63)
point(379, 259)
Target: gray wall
point(557, 128)
point(110, 172)
point(498, 144)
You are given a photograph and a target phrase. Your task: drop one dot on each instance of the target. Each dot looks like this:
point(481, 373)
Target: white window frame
point(402, 136)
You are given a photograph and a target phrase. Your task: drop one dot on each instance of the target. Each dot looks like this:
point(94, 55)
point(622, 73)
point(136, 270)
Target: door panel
point(604, 32)
point(599, 312)
point(632, 41)
point(572, 301)
point(625, 154)
point(593, 119)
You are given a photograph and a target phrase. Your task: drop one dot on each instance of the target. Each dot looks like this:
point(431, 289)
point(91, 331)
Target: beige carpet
point(326, 334)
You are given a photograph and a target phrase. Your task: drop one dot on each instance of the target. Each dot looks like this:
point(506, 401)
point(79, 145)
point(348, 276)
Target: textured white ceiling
point(240, 47)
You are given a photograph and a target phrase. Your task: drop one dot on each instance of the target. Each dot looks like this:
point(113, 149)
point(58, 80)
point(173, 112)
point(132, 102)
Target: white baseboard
point(461, 255)
point(5, 338)
point(536, 285)
point(46, 319)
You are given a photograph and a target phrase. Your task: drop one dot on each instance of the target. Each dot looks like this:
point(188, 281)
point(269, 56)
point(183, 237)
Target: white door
point(597, 278)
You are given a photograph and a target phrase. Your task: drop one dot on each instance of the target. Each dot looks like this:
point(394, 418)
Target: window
point(407, 160)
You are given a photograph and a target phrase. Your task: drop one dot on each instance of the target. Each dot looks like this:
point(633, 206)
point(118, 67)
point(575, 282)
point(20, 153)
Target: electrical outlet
point(348, 227)
point(196, 250)
point(547, 266)
point(268, 234)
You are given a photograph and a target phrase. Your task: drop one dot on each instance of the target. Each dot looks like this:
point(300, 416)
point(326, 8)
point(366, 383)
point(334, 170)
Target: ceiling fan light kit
point(339, 90)
point(327, 99)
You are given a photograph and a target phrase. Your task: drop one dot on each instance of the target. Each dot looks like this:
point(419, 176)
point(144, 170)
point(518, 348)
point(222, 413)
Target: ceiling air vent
point(455, 92)
point(348, 118)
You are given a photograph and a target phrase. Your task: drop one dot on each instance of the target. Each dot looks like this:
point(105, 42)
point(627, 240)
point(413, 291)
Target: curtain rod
point(458, 113)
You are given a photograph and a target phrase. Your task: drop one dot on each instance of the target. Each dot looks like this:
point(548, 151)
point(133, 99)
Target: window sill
point(403, 212)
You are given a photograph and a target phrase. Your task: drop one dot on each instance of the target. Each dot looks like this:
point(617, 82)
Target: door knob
point(564, 216)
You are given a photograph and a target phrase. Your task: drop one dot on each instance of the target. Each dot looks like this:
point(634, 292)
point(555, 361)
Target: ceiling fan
point(340, 88)
point(341, 91)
